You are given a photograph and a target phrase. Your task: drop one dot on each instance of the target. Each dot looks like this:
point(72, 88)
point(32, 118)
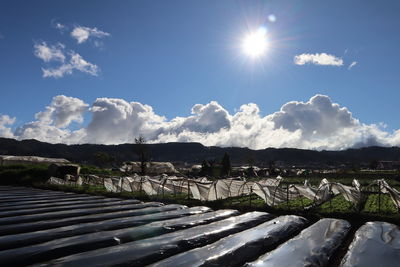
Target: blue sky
point(172, 55)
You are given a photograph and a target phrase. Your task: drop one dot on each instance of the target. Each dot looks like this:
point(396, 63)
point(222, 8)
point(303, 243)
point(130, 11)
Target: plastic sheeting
point(272, 191)
point(312, 247)
point(78, 244)
point(350, 193)
point(141, 209)
point(150, 250)
point(375, 244)
point(385, 188)
point(16, 198)
point(59, 181)
point(25, 193)
point(235, 249)
point(46, 201)
point(66, 204)
point(25, 239)
point(127, 205)
point(32, 210)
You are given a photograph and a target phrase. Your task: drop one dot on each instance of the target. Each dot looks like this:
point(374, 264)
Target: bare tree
point(142, 151)
point(226, 165)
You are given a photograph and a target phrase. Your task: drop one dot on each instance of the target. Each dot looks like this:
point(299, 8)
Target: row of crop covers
point(48, 228)
point(272, 190)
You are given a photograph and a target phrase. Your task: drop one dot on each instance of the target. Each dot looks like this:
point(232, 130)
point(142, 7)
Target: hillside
point(194, 153)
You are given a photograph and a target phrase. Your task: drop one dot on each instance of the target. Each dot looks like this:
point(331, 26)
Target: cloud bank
point(5, 123)
point(318, 59)
point(318, 123)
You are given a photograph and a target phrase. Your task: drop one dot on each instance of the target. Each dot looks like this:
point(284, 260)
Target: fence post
point(379, 197)
point(163, 185)
point(287, 196)
point(174, 189)
point(188, 196)
point(141, 185)
point(251, 192)
point(215, 190)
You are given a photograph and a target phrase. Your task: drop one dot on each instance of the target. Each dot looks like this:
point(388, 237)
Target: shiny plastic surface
point(141, 209)
point(235, 249)
point(312, 247)
point(149, 250)
point(374, 244)
point(86, 242)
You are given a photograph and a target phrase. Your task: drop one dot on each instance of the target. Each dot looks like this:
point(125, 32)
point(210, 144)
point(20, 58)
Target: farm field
point(59, 228)
point(336, 207)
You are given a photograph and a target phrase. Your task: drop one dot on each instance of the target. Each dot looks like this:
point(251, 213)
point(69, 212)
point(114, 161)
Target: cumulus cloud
point(82, 34)
point(318, 123)
point(352, 65)
point(48, 133)
point(51, 124)
point(5, 122)
point(49, 53)
point(318, 59)
point(317, 117)
point(126, 119)
point(62, 111)
point(208, 118)
point(76, 62)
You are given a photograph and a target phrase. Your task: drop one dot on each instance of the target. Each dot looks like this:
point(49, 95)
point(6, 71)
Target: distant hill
point(193, 153)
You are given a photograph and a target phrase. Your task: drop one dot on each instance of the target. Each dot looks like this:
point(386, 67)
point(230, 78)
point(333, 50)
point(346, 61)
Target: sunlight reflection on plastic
point(255, 44)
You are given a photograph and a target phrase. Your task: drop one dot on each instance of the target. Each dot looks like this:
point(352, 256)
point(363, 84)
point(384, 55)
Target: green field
point(337, 204)
point(36, 175)
point(295, 204)
point(386, 204)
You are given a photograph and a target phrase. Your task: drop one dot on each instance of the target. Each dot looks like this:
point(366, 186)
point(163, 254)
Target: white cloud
point(76, 62)
point(126, 119)
point(318, 59)
point(62, 111)
point(82, 34)
point(59, 26)
point(49, 53)
point(352, 65)
point(51, 124)
point(6, 121)
point(318, 123)
point(1, 36)
point(317, 117)
point(56, 53)
point(209, 118)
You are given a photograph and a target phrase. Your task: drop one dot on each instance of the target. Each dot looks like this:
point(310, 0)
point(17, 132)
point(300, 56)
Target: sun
point(255, 43)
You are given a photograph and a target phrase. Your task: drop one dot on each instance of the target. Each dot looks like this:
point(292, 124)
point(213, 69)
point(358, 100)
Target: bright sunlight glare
point(255, 44)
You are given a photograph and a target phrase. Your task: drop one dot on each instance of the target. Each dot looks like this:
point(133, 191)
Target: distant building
point(151, 167)
point(388, 165)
